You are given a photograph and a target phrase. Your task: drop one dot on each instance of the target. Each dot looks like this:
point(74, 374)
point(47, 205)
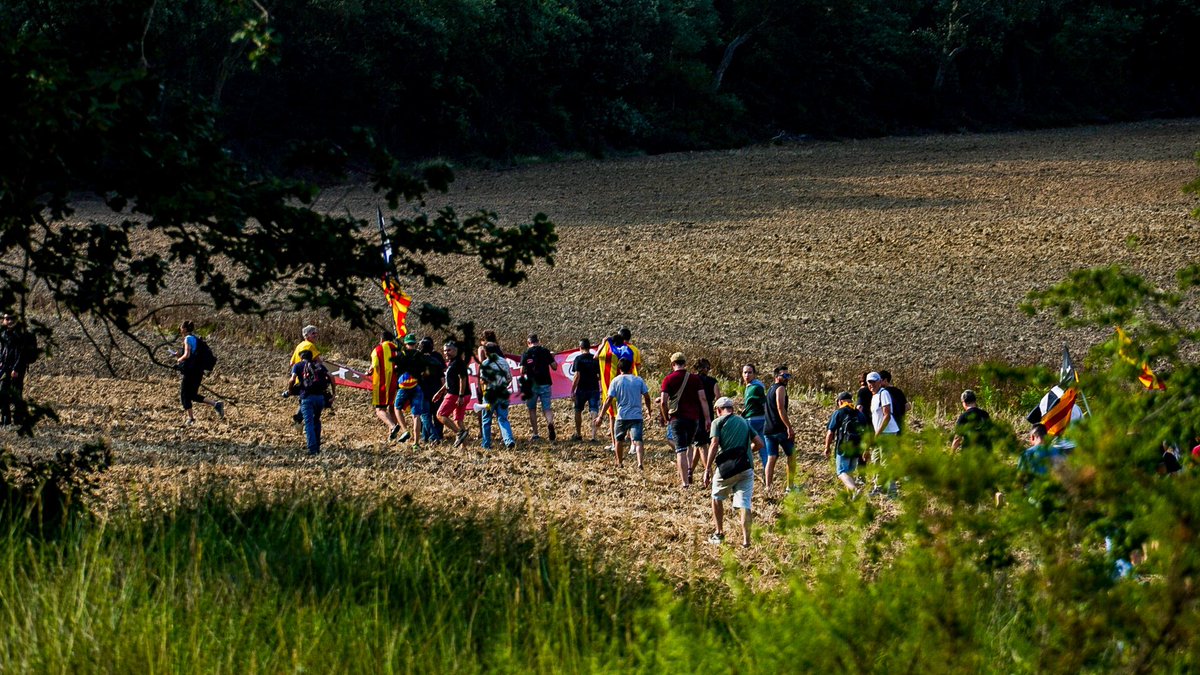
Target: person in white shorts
point(730, 462)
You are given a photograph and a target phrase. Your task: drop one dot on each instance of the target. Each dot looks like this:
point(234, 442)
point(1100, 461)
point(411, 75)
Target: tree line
point(504, 78)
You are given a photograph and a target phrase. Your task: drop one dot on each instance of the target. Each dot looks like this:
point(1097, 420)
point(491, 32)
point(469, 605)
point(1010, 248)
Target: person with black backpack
point(312, 383)
point(846, 435)
point(730, 464)
point(196, 360)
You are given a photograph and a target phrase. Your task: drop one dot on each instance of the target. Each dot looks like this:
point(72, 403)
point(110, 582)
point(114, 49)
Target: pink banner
point(560, 380)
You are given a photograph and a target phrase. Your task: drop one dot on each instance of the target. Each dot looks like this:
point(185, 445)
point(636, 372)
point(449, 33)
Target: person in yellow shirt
point(309, 333)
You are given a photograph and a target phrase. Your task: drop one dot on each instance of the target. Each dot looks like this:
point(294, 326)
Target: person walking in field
point(682, 406)
point(495, 377)
point(585, 387)
point(431, 382)
point(307, 336)
point(454, 394)
point(18, 349)
point(754, 408)
point(900, 404)
point(845, 435)
point(310, 381)
point(730, 461)
point(384, 383)
point(862, 400)
point(608, 355)
point(536, 364)
point(884, 425)
point(711, 392)
point(973, 427)
point(779, 435)
point(410, 366)
point(625, 396)
point(191, 364)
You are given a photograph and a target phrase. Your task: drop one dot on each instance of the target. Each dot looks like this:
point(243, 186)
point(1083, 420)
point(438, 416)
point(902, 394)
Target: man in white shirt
point(885, 427)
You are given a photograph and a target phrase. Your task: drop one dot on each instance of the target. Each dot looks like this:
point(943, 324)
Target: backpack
point(732, 461)
point(849, 434)
point(314, 378)
point(899, 405)
point(203, 357)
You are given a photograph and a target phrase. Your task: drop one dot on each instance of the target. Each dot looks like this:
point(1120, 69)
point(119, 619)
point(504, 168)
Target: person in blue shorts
point(585, 387)
point(778, 433)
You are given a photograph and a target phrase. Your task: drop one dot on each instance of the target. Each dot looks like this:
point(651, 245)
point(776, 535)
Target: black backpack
point(849, 434)
point(314, 378)
point(202, 358)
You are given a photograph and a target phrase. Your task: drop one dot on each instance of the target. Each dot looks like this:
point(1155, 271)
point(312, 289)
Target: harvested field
point(909, 253)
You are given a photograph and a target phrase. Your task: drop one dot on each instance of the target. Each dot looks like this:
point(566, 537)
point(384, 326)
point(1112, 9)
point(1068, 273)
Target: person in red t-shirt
point(683, 407)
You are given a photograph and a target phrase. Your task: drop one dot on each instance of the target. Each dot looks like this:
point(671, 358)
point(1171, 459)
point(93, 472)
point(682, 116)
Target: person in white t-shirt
point(885, 427)
point(626, 393)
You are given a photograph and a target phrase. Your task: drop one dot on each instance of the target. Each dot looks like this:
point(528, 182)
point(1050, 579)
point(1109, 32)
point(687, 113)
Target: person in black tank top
point(777, 429)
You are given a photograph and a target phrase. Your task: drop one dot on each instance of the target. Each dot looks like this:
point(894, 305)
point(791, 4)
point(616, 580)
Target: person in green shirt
point(754, 401)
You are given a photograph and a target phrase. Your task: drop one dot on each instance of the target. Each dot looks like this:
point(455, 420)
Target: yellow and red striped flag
point(399, 301)
point(1148, 379)
point(1054, 410)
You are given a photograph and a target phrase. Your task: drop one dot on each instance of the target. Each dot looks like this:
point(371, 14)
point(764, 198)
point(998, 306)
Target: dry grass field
point(908, 253)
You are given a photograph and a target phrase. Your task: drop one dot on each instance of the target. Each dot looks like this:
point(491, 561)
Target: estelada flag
point(1148, 379)
point(1054, 410)
point(608, 356)
point(399, 301)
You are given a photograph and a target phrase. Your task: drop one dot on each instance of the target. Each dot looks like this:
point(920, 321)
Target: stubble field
point(908, 253)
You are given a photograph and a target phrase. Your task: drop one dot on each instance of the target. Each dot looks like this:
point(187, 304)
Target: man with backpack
point(900, 404)
point(197, 359)
point(496, 377)
point(730, 462)
point(844, 434)
point(312, 383)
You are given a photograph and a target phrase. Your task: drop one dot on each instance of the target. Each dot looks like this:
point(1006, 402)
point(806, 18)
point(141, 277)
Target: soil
point(909, 253)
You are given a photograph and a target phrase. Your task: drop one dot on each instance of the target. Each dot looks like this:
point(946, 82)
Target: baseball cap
point(308, 329)
point(410, 340)
point(726, 402)
point(678, 357)
point(873, 377)
point(845, 396)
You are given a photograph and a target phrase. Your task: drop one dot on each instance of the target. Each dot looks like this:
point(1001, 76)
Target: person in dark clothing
point(862, 400)
point(193, 374)
point(431, 381)
point(973, 426)
point(18, 349)
point(536, 364)
point(709, 385)
point(585, 387)
point(313, 389)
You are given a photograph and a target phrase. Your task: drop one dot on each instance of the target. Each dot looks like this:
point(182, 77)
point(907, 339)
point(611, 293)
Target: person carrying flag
point(384, 384)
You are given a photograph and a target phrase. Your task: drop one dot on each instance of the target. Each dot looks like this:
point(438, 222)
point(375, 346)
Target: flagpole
point(1083, 397)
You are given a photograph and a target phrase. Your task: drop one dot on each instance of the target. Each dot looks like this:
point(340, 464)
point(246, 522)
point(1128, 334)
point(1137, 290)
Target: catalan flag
point(399, 301)
point(383, 374)
point(1054, 410)
point(609, 354)
point(1147, 377)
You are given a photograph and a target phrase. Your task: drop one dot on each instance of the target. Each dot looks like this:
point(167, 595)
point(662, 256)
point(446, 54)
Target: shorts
point(540, 391)
point(413, 397)
point(847, 464)
point(758, 424)
point(591, 399)
point(630, 430)
point(776, 442)
point(740, 487)
point(701, 438)
point(453, 406)
point(684, 430)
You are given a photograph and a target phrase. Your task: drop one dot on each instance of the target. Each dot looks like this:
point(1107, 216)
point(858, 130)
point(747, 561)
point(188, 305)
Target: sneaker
point(510, 446)
point(313, 453)
point(875, 492)
point(535, 438)
point(461, 438)
point(404, 436)
point(576, 437)
point(416, 447)
point(219, 406)
point(189, 423)
point(551, 434)
point(716, 538)
point(394, 432)
point(297, 419)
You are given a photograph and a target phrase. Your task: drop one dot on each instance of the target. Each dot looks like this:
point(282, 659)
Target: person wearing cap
point(383, 383)
point(585, 387)
point(410, 365)
point(844, 434)
point(734, 442)
point(312, 401)
point(536, 363)
point(307, 335)
point(682, 406)
point(778, 433)
point(883, 424)
point(626, 393)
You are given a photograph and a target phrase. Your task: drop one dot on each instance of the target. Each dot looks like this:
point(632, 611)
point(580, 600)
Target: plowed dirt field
point(908, 253)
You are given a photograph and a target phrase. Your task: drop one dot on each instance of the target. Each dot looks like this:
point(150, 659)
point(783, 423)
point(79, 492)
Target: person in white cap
point(307, 335)
point(884, 424)
point(729, 461)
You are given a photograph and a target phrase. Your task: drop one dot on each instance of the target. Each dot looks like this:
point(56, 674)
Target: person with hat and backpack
point(197, 359)
point(729, 461)
point(312, 383)
point(845, 435)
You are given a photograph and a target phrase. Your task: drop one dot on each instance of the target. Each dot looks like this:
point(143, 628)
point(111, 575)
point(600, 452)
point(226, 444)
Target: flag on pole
point(1054, 410)
point(399, 301)
point(1147, 377)
point(386, 249)
point(1067, 375)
